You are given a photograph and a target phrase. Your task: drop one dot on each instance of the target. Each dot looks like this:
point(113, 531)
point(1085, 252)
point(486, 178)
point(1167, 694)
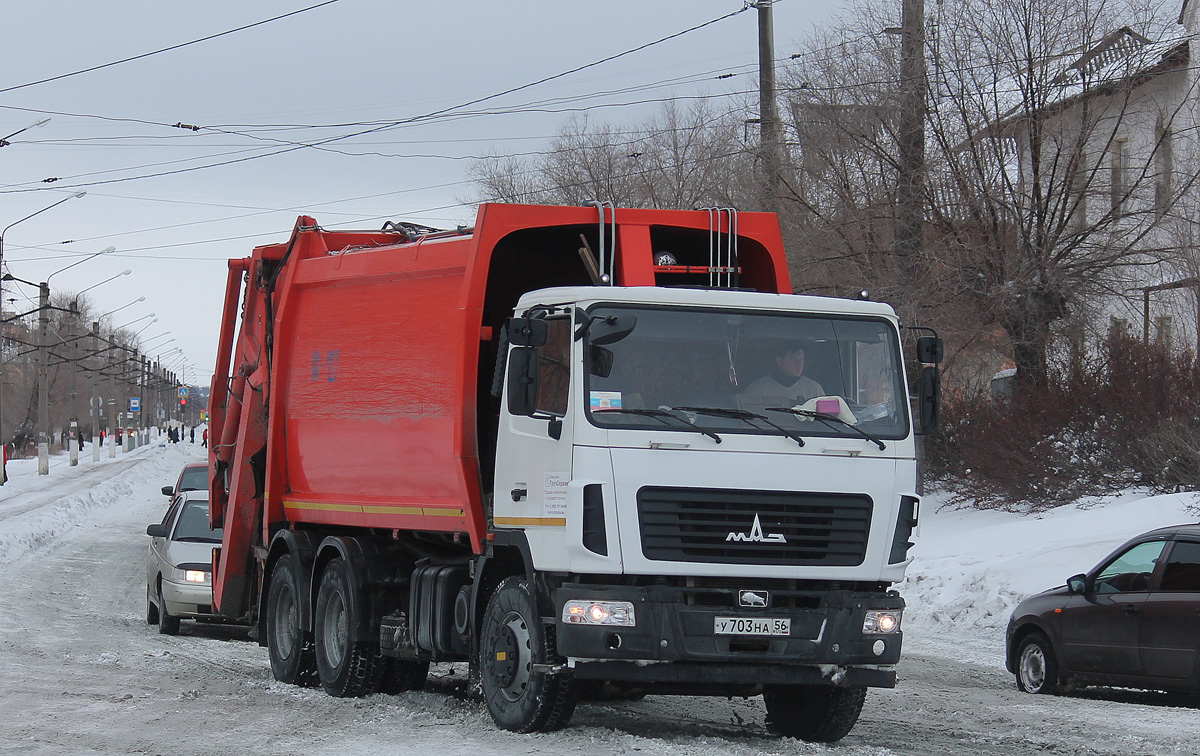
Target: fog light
point(599, 613)
point(877, 622)
point(878, 647)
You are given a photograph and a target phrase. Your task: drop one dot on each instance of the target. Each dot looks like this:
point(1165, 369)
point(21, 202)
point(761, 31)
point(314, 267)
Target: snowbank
point(970, 568)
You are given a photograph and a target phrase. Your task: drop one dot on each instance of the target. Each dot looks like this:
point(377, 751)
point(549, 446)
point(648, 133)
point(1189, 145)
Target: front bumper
point(674, 640)
point(193, 600)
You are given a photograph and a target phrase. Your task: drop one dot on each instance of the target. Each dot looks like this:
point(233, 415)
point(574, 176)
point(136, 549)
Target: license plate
point(752, 626)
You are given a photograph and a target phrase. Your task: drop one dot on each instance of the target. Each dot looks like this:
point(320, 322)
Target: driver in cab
point(786, 381)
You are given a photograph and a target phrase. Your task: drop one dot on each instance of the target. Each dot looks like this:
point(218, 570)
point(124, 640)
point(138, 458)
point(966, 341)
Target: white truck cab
point(707, 513)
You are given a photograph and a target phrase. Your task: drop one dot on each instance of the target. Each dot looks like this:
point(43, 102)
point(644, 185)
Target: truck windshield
point(788, 369)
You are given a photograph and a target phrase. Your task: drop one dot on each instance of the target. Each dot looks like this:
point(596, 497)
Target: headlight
point(599, 613)
point(191, 576)
point(878, 622)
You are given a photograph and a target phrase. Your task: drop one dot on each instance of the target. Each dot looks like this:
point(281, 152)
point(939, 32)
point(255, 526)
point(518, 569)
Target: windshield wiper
point(743, 415)
point(827, 419)
point(659, 415)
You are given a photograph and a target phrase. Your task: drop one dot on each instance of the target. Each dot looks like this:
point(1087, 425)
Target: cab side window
point(1131, 571)
point(1183, 568)
point(554, 367)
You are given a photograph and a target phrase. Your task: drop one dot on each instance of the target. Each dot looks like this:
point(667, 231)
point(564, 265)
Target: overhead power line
point(166, 49)
point(413, 119)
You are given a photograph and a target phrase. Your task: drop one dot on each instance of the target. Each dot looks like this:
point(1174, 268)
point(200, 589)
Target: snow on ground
point(36, 508)
point(971, 568)
point(81, 672)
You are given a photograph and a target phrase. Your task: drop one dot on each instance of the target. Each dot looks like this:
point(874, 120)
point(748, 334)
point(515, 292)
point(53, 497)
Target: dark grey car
point(1132, 621)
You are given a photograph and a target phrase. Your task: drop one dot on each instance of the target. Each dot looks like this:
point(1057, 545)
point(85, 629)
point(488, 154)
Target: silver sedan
point(179, 563)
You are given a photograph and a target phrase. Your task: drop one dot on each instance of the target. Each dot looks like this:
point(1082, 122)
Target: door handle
point(1129, 611)
point(519, 493)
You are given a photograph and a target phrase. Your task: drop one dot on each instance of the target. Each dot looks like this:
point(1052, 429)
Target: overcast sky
point(156, 194)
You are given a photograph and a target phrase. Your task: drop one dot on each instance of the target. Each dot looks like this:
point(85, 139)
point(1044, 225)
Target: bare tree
point(1050, 133)
point(676, 158)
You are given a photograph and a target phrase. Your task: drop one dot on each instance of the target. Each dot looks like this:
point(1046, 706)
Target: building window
point(1079, 182)
point(1164, 165)
point(1118, 326)
point(1162, 330)
point(1119, 163)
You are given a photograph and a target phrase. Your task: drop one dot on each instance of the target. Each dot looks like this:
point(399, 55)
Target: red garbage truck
point(570, 446)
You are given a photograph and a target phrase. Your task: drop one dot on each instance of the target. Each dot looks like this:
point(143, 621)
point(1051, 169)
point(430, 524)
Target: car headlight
point(881, 622)
point(191, 576)
point(599, 613)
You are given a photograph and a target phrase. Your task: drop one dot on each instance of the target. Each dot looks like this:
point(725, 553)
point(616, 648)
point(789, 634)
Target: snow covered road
point(82, 673)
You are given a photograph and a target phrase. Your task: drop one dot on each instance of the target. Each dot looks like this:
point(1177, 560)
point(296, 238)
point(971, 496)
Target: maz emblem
point(754, 598)
point(756, 535)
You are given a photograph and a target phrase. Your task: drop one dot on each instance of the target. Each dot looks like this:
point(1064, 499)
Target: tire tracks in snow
point(31, 500)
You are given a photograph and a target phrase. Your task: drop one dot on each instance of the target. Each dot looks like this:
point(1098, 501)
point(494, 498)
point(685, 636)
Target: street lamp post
point(96, 404)
point(4, 140)
point(4, 438)
point(44, 358)
point(43, 445)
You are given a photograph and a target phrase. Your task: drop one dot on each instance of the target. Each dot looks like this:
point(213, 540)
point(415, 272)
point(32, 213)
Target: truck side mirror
point(527, 332)
point(929, 401)
point(522, 379)
point(611, 329)
point(929, 350)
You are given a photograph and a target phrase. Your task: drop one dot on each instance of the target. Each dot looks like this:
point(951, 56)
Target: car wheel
point(167, 625)
point(290, 648)
point(346, 666)
point(816, 713)
point(1037, 667)
point(151, 609)
point(514, 639)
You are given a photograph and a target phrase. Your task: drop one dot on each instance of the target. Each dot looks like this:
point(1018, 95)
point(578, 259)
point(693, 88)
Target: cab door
point(1100, 627)
point(533, 452)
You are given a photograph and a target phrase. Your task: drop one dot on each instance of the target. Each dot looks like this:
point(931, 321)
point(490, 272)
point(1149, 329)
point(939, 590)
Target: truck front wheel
point(346, 667)
point(816, 713)
point(519, 697)
point(290, 648)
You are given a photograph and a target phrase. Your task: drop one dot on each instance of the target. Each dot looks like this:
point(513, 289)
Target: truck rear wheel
point(290, 648)
point(346, 667)
point(816, 713)
point(519, 697)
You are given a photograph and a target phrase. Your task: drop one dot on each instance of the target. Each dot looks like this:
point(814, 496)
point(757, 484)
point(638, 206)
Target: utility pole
point(768, 111)
point(43, 378)
point(910, 189)
point(75, 439)
point(113, 437)
point(96, 403)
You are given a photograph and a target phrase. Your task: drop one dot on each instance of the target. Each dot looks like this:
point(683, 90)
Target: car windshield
point(194, 479)
point(192, 524)
point(726, 371)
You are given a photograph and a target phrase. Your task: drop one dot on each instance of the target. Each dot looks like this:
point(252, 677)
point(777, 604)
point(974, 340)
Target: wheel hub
point(1033, 668)
point(505, 657)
